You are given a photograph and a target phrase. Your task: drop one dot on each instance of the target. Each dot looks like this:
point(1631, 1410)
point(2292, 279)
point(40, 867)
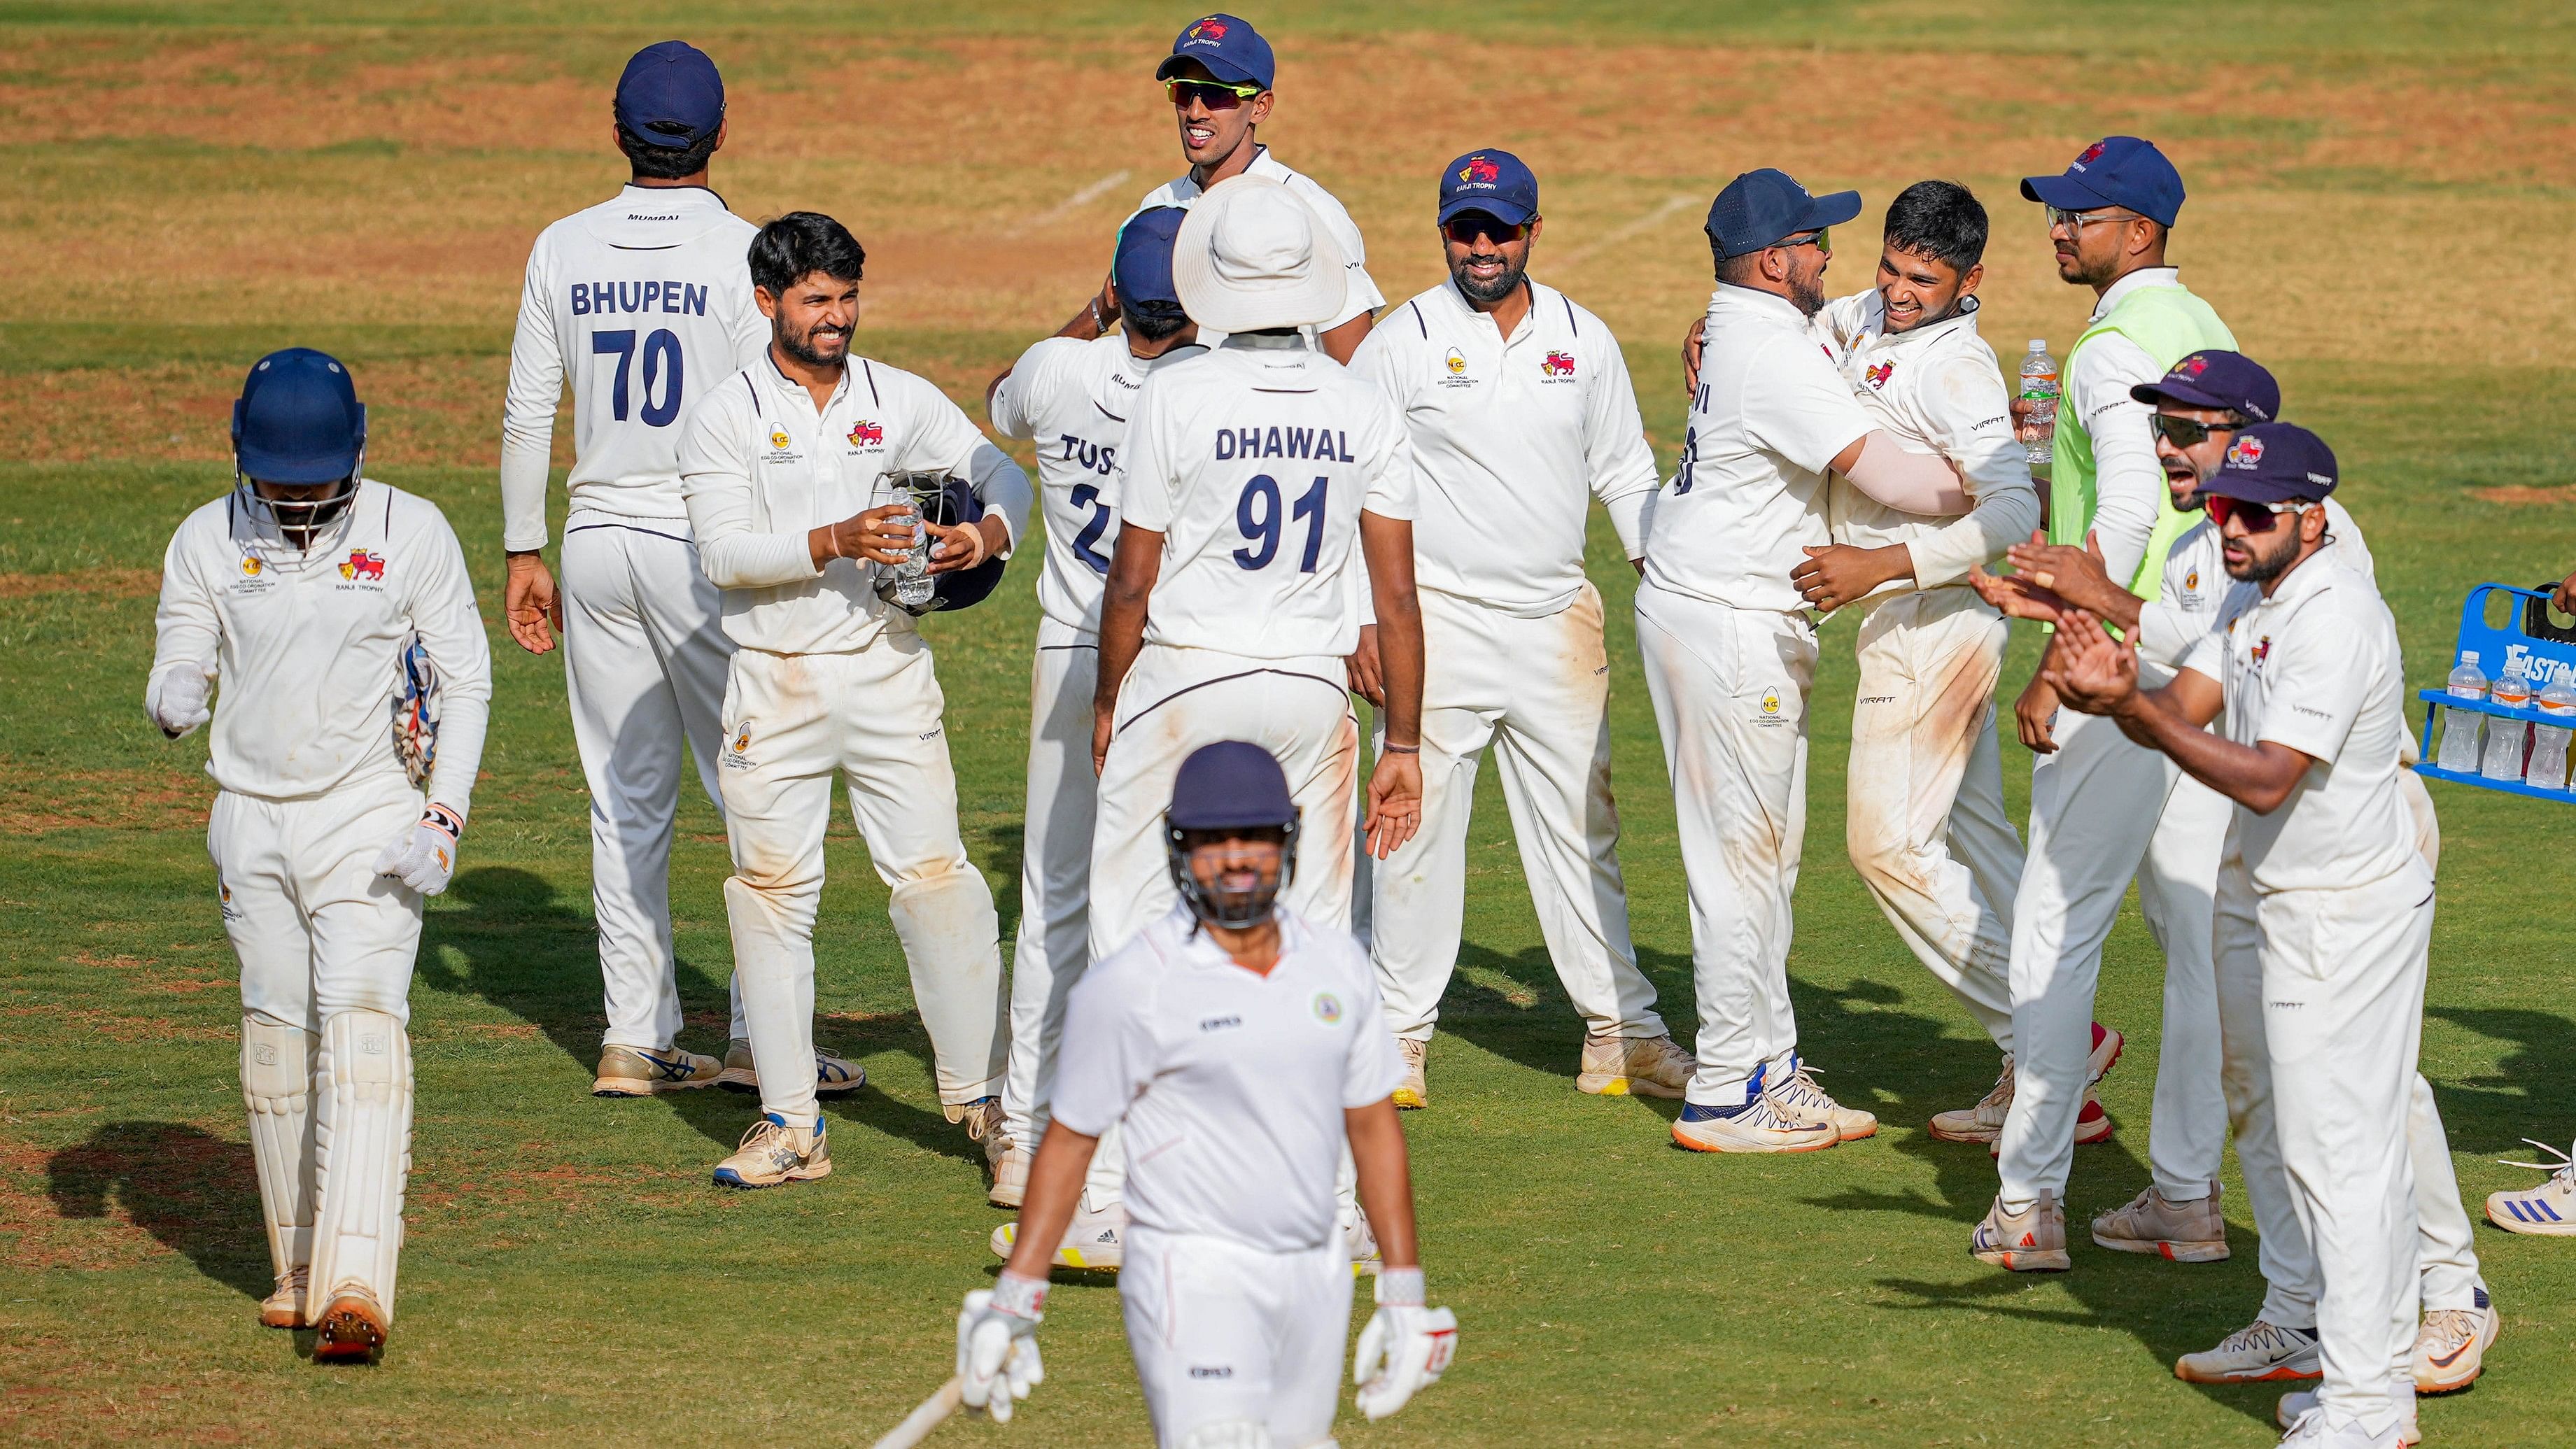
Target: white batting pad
point(363, 1136)
point(277, 1087)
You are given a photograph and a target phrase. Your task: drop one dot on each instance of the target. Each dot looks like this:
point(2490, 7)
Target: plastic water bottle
point(2460, 727)
point(2508, 740)
point(2548, 767)
point(2039, 387)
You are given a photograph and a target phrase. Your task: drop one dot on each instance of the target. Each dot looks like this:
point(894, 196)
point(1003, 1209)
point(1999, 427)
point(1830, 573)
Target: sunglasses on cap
point(1466, 226)
point(2259, 517)
point(2184, 433)
point(1215, 95)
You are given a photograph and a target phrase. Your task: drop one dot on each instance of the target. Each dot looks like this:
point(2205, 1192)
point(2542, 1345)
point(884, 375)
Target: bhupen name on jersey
point(679, 299)
point(1320, 444)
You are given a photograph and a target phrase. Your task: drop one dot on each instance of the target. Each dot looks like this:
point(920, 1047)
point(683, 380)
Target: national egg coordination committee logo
point(778, 437)
point(1456, 363)
point(1328, 1008)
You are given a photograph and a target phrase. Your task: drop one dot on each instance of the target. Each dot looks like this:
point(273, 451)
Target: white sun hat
point(1251, 255)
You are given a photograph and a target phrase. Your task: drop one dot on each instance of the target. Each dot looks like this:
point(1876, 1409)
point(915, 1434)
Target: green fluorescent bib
point(2170, 324)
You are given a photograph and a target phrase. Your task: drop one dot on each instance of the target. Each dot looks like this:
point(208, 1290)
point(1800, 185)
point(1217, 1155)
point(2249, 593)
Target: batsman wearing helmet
point(800, 477)
point(303, 591)
point(1242, 1046)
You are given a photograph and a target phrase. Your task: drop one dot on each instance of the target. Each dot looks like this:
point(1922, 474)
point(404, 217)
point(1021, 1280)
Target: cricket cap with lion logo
point(1493, 182)
point(1227, 45)
point(2275, 463)
point(2114, 171)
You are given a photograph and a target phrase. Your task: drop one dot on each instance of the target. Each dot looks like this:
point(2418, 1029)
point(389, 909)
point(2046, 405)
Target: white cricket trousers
point(2093, 810)
point(1224, 1333)
point(1172, 702)
point(1055, 871)
point(326, 948)
point(2187, 1133)
point(794, 722)
point(1925, 825)
point(1730, 692)
point(2332, 981)
point(644, 665)
point(1538, 690)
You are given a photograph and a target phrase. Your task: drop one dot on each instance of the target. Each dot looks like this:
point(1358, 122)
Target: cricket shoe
point(1361, 1239)
point(1804, 1097)
point(2298, 1404)
point(2179, 1232)
point(351, 1328)
point(1983, 1122)
point(1010, 1176)
point(774, 1153)
point(2451, 1346)
point(1414, 1091)
point(2549, 1209)
point(1641, 1066)
point(2030, 1241)
point(1094, 1239)
point(2092, 1125)
point(983, 1121)
point(2253, 1354)
point(2107, 1046)
point(626, 1071)
point(1763, 1124)
point(284, 1306)
point(832, 1075)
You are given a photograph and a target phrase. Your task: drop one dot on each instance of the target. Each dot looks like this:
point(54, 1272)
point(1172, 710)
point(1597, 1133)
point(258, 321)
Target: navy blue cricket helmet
point(955, 506)
point(298, 422)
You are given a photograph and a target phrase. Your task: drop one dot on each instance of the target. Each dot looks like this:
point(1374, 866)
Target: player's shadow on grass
point(197, 1193)
point(2530, 1094)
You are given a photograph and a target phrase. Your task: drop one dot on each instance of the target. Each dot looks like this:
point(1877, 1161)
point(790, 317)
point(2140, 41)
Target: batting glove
point(997, 1354)
point(176, 698)
point(425, 858)
point(1405, 1347)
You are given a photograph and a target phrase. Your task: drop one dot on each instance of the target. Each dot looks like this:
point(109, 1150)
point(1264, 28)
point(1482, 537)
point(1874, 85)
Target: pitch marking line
point(1084, 197)
point(1616, 235)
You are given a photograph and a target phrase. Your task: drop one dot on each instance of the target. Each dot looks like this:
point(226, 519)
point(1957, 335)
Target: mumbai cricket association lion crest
point(1557, 364)
point(1480, 172)
point(363, 564)
point(1878, 374)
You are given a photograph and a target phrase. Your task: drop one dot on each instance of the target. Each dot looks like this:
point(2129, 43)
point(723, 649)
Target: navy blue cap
point(1227, 45)
point(1759, 207)
point(2217, 379)
point(670, 95)
point(2114, 171)
point(1143, 265)
point(298, 419)
point(2274, 463)
point(1231, 785)
point(1493, 182)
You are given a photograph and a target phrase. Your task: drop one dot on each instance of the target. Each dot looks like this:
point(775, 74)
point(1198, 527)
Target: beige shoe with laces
point(1804, 1097)
point(1643, 1066)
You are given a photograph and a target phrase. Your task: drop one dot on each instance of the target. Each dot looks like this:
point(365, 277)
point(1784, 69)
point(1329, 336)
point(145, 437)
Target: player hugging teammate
point(1260, 497)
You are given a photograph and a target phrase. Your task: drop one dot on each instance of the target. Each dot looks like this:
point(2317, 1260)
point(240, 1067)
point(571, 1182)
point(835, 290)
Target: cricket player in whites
point(1254, 480)
point(1072, 399)
point(1218, 80)
point(2096, 796)
point(302, 591)
point(1520, 412)
point(784, 466)
point(1730, 647)
point(1242, 1046)
point(1927, 829)
point(2325, 898)
point(643, 304)
point(2213, 1027)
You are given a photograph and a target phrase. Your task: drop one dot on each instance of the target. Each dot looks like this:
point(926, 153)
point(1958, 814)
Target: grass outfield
point(2375, 192)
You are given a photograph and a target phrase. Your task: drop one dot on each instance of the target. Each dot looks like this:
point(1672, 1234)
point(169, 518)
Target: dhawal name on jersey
point(1322, 444)
point(677, 298)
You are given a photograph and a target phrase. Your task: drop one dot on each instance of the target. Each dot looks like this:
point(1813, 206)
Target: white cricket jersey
point(2196, 583)
point(2128, 482)
point(307, 647)
point(761, 468)
point(1361, 295)
point(1511, 438)
point(1073, 399)
point(1231, 1084)
point(2316, 667)
point(1936, 389)
point(1771, 413)
point(644, 301)
point(1255, 462)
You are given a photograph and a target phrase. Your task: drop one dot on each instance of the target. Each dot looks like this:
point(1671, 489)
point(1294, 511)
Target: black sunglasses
point(2259, 517)
point(1466, 226)
point(1215, 95)
point(2184, 433)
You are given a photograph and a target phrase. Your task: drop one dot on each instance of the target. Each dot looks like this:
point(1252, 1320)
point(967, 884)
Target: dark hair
point(802, 242)
point(1152, 321)
point(666, 163)
point(1741, 271)
point(1941, 220)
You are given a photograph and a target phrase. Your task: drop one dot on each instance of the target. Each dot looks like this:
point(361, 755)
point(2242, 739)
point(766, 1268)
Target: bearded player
point(643, 304)
point(1241, 1045)
point(1073, 399)
point(323, 848)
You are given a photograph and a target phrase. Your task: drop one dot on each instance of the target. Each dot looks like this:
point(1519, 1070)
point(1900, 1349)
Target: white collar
point(1753, 299)
point(790, 387)
point(2137, 281)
